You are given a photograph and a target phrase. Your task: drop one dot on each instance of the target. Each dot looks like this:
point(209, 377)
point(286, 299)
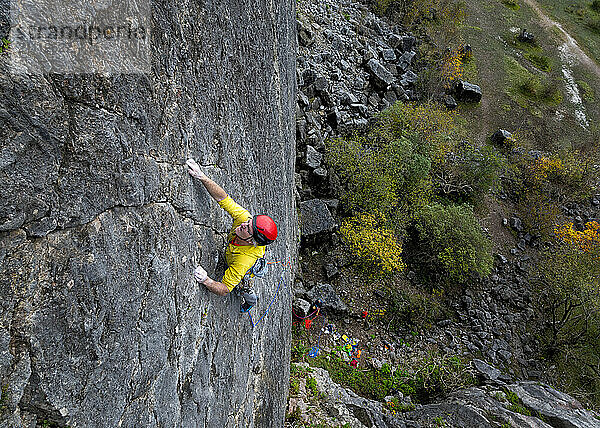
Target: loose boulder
point(328, 297)
point(526, 37)
point(468, 92)
point(380, 75)
point(315, 217)
point(501, 136)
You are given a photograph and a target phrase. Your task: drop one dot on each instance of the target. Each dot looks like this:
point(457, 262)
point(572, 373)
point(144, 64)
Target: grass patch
point(529, 90)
point(541, 62)
point(432, 376)
point(470, 72)
point(580, 19)
point(587, 93)
point(532, 51)
point(594, 24)
point(515, 404)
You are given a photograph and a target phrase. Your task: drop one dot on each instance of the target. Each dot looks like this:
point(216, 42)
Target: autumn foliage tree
point(569, 285)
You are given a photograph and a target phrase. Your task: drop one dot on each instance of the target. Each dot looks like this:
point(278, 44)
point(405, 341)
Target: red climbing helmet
point(264, 229)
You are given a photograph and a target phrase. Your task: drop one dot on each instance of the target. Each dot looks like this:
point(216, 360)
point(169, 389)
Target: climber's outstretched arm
point(213, 188)
point(216, 287)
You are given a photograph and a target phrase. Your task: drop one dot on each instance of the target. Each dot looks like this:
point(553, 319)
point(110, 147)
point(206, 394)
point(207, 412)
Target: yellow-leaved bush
point(372, 242)
point(587, 240)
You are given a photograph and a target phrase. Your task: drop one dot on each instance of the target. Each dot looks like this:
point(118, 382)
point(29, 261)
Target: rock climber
point(245, 243)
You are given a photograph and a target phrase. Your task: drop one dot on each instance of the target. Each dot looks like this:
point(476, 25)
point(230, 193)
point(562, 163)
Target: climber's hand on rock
point(200, 274)
point(194, 169)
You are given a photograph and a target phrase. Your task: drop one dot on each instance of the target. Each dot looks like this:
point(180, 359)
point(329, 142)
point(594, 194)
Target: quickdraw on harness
point(261, 271)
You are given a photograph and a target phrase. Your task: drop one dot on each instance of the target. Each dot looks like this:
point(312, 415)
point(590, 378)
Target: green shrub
point(455, 241)
point(413, 307)
point(311, 384)
point(389, 168)
point(539, 183)
point(470, 173)
point(595, 6)
point(294, 386)
point(4, 45)
point(389, 177)
point(433, 375)
point(298, 351)
point(380, 176)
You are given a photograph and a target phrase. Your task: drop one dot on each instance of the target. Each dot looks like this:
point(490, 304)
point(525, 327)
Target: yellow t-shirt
point(239, 258)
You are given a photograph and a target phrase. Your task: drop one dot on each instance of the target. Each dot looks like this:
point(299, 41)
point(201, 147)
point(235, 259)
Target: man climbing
point(245, 243)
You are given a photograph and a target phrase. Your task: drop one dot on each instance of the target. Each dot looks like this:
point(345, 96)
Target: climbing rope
point(281, 280)
point(316, 311)
point(314, 351)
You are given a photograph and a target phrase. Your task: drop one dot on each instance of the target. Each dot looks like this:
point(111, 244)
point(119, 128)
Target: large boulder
point(487, 372)
point(468, 92)
point(380, 75)
point(327, 295)
point(315, 217)
point(501, 137)
point(526, 37)
point(559, 409)
point(305, 35)
point(313, 157)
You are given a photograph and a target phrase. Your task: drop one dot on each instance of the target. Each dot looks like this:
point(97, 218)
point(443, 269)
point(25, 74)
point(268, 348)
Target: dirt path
point(570, 42)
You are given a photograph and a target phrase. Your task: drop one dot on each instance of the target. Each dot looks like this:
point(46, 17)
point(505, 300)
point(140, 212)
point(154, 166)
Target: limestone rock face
point(101, 321)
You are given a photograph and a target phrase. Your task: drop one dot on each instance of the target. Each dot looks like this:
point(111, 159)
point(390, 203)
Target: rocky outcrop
point(351, 65)
point(101, 322)
point(341, 406)
point(540, 406)
point(519, 405)
point(315, 217)
point(557, 408)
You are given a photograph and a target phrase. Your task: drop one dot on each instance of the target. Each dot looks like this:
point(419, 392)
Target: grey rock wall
point(101, 322)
